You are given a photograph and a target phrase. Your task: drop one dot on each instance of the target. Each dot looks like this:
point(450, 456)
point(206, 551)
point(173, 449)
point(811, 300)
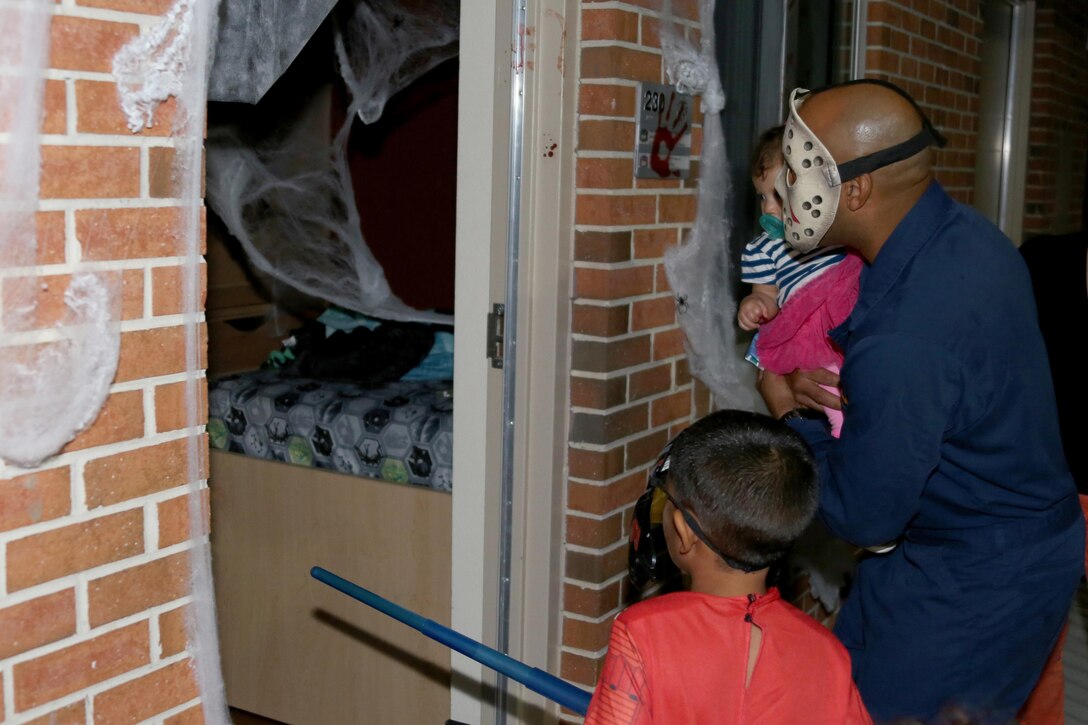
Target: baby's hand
point(754, 311)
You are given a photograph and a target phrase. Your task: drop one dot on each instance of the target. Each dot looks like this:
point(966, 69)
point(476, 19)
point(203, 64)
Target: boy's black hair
point(767, 152)
point(748, 479)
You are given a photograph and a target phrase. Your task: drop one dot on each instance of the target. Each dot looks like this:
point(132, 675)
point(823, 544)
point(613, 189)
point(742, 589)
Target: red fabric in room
point(404, 169)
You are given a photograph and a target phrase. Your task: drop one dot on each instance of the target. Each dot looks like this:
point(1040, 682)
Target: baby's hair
point(767, 153)
point(748, 479)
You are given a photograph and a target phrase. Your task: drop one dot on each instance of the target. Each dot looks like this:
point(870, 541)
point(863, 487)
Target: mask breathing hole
point(808, 233)
point(806, 164)
point(808, 145)
point(806, 206)
point(819, 160)
point(817, 200)
point(789, 133)
point(815, 213)
point(788, 150)
point(796, 236)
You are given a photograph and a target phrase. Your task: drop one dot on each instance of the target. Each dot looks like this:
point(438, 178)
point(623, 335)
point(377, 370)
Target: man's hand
point(801, 388)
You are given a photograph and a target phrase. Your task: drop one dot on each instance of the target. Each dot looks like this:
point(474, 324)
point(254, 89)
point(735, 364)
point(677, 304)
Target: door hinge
point(496, 325)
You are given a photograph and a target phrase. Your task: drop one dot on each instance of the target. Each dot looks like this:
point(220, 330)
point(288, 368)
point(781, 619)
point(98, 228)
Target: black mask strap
point(869, 163)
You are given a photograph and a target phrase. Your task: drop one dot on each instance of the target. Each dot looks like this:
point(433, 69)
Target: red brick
point(577, 668)
point(34, 497)
point(85, 44)
point(669, 343)
point(597, 567)
point(593, 173)
point(614, 210)
point(172, 407)
point(139, 699)
point(136, 473)
point(606, 135)
point(89, 172)
point(47, 293)
point(646, 449)
point(599, 500)
point(168, 289)
point(57, 674)
point(600, 99)
point(159, 351)
point(55, 108)
point(600, 321)
point(193, 716)
point(133, 590)
point(613, 284)
point(50, 236)
point(649, 382)
point(670, 408)
point(174, 519)
point(652, 243)
point(137, 233)
point(677, 208)
point(609, 25)
point(597, 393)
point(173, 633)
point(38, 622)
point(590, 636)
point(595, 465)
point(651, 32)
point(150, 7)
point(618, 62)
point(74, 714)
point(603, 357)
point(659, 312)
point(602, 246)
point(121, 419)
point(591, 602)
point(98, 111)
point(78, 547)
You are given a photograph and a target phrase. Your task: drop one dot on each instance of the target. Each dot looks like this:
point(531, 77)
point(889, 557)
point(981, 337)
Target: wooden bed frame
point(299, 652)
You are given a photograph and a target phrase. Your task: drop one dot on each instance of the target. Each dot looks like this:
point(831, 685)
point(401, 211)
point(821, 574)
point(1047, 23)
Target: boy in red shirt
point(737, 489)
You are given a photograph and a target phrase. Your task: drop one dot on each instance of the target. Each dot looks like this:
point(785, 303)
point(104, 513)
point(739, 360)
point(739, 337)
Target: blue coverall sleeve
point(899, 396)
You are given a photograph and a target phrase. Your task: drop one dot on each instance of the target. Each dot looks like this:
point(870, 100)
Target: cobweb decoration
point(293, 209)
point(56, 359)
point(151, 68)
point(699, 269)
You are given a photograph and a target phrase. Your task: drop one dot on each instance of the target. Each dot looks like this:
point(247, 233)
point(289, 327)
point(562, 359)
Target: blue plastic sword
point(571, 697)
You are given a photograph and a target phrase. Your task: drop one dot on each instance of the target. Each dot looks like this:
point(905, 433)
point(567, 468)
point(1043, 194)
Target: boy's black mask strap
point(928, 136)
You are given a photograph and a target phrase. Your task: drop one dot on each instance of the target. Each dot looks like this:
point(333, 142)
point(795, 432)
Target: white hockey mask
point(811, 199)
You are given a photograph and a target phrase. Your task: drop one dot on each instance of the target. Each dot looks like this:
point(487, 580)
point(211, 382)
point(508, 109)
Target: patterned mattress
point(400, 432)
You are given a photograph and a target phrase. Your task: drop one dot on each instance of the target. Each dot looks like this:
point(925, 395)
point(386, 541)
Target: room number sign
point(663, 140)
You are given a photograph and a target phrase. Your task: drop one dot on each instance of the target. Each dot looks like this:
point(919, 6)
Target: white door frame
point(544, 236)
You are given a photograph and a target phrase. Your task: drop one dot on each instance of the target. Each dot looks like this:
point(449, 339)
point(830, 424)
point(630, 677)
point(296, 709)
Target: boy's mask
point(647, 551)
point(812, 198)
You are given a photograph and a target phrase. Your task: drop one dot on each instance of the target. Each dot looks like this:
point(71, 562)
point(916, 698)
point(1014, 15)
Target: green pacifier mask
point(773, 226)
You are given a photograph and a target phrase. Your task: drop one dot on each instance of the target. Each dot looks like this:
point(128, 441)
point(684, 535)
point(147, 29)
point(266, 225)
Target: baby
point(820, 286)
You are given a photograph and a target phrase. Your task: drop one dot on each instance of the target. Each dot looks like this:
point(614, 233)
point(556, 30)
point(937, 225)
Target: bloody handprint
point(665, 138)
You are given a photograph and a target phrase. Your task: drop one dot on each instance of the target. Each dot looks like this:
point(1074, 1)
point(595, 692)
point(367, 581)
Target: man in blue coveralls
point(950, 447)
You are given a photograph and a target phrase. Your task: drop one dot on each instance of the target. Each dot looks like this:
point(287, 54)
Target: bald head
point(860, 119)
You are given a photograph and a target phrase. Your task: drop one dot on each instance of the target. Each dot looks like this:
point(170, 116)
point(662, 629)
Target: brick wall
point(94, 544)
point(932, 48)
point(1058, 136)
point(630, 387)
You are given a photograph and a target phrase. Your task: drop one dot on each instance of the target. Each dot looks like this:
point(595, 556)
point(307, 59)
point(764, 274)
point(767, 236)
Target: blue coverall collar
point(908, 238)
